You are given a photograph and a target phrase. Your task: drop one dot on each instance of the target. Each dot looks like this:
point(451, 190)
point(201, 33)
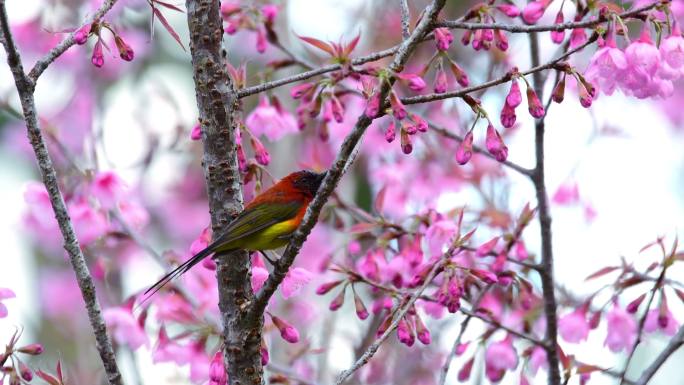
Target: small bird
point(266, 223)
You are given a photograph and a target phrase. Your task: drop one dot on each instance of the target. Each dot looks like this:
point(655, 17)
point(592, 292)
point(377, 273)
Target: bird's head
point(306, 180)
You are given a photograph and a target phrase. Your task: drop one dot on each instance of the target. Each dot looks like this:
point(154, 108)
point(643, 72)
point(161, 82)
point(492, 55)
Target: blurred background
point(615, 172)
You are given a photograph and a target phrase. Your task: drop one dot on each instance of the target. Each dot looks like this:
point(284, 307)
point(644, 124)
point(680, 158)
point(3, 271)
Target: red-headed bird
point(266, 222)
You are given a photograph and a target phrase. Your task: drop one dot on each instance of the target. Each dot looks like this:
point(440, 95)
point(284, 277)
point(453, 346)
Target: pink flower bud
point(261, 41)
point(421, 124)
point(509, 10)
point(125, 50)
point(25, 372)
point(507, 117)
point(398, 109)
point(514, 97)
point(242, 158)
point(81, 35)
point(495, 144)
point(422, 331)
point(229, 8)
point(264, 354)
point(461, 348)
point(460, 75)
point(533, 11)
point(558, 93)
point(384, 326)
point(326, 287)
point(501, 39)
point(467, 35)
point(217, 372)
point(260, 153)
point(585, 97)
point(97, 58)
point(633, 306)
point(533, 104)
point(390, 132)
point(269, 11)
point(464, 373)
point(441, 83)
point(196, 133)
point(406, 145)
point(486, 247)
point(410, 128)
point(32, 349)
point(287, 331)
point(485, 276)
point(404, 333)
point(373, 106)
point(337, 109)
point(360, 308)
point(338, 301)
point(413, 81)
point(231, 28)
point(300, 90)
point(577, 37)
point(558, 36)
point(465, 149)
point(443, 38)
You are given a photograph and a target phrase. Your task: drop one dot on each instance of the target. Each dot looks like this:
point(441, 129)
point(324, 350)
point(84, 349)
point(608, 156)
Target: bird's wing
point(255, 219)
point(250, 221)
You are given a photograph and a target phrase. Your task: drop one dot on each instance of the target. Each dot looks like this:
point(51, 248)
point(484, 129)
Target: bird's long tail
point(180, 270)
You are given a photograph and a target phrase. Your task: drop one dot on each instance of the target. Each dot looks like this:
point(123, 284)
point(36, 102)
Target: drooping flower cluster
point(256, 19)
point(82, 35)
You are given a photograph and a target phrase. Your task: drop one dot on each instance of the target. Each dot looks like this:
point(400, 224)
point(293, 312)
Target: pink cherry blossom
point(438, 236)
point(294, 281)
point(622, 329)
point(217, 370)
point(5, 293)
point(125, 327)
point(465, 149)
point(168, 350)
point(443, 38)
point(533, 11)
point(607, 66)
point(266, 119)
point(108, 188)
point(259, 276)
point(500, 356)
point(566, 194)
point(89, 223)
point(573, 327)
point(654, 322)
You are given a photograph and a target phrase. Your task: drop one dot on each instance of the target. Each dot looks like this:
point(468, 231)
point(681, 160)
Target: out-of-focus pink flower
point(558, 36)
point(168, 350)
point(666, 323)
point(5, 293)
point(108, 188)
point(567, 193)
point(495, 144)
point(200, 363)
point(269, 11)
point(465, 149)
point(538, 360)
point(487, 247)
point(441, 82)
point(217, 370)
point(443, 38)
point(533, 11)
point(81, 35)
point(89, 224)
point(621, 329)
point(261, 41)
point(125, 327)
point(266, 119)
point(573, 327)
point(134, 214)
point(413, 81)
point(294, 281)
point(509, 10)
point(578, 36)
point(672, 53)
point(500, 357)
point(39, 207)
point(259, 276)
point(438, 235)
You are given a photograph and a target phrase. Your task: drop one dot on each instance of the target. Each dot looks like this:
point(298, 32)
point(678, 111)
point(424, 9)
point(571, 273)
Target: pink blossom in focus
point(573, 327)
point(288, 332)
point(125, 327)
point(266, 119)
point(413, 81)
point(294, 281)
point(514, 97)
point(622, 329)
point(108, 188)
point(5, 293)
point(495, 144)
point(465, 149)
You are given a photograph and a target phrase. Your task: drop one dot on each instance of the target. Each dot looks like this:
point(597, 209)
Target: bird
point(266, 223)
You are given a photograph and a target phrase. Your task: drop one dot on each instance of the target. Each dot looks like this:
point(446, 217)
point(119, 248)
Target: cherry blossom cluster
point(14, 367)
point(95, 29)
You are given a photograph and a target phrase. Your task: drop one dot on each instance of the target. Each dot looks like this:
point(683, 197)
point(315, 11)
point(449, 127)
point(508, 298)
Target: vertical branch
point(217, 104)
point(405, 19)
point(25, 87)
point(546, 270)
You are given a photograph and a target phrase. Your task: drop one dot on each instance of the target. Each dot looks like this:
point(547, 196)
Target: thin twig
point(675, 343)
point(503, 79)
point(405, 19)
point(25, 88)
point(334, 174)
point(515, 28)
point(42, 64)
point(546, 271)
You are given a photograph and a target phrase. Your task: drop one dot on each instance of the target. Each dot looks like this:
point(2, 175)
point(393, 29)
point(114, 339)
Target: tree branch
point(515, 28)
point(675, 343)
point(217, 104)
point(334, 174)
point(405, 19)
point(546, 271)
point(42, 64)
point(25, 88)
